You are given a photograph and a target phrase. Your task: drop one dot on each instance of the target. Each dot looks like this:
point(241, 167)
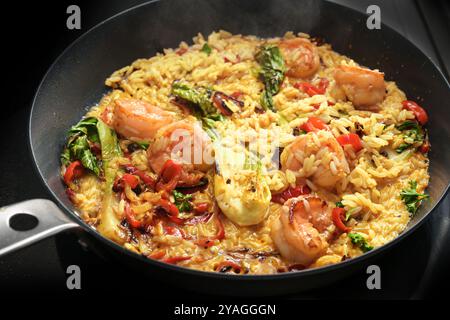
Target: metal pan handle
point(27, 222)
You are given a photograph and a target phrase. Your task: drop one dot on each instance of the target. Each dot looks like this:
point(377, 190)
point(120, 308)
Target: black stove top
point(415, 268)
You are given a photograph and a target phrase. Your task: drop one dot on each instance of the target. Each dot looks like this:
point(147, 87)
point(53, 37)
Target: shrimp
point(365, 88)
point(300, 56)
point(316, 155)
point(301, 232)
point(185, 142)
point(136, 119)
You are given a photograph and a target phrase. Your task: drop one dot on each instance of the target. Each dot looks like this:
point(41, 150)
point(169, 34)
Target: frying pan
point(75, 82)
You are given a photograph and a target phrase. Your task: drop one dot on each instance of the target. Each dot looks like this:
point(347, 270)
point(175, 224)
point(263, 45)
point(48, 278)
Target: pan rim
point(72, 214)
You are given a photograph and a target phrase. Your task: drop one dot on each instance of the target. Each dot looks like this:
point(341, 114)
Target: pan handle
point(27, 222)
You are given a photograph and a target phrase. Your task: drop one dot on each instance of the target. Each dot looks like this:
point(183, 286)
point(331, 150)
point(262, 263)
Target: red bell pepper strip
point(73, 171)
point(419, 112)
point(312, 90)
point(170, 174)
point(157, 255)
point(220, 229)
point(291, 192)
point(237, 94)
point(175, 260)
point(171, 210)
point(149, 181)
point(201, 207)
point(130, 180)
point(174, 231)
point(207, 242)
point(228, 264)
point(352, 138)
point(337, 215)
point(314, 124)
point(317, 105)
point(131, 219)
point(425, 147)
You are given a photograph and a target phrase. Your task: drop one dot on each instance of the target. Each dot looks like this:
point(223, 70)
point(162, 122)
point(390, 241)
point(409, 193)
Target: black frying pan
point(75, 82)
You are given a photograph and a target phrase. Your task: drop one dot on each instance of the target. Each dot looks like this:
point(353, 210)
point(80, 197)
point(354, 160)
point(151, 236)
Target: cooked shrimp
point(301, 232)
point(300, 56)
point(318, 156)
point(365, 88)
point(137, 119)
point(185, 142)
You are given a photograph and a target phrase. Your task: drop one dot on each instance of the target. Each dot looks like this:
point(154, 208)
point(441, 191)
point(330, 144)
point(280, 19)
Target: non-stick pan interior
point(76, 81)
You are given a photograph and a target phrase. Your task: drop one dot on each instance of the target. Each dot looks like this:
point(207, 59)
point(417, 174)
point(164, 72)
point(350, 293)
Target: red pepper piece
point(131, 219)
point(171, 210)
point(419, 112)
point(149, 181)
point(228, 264)
point(425, 147)
point(130, 180)
point(201, 207)
point(312, 90)
point(175, 260)
point(314, 124)
point(157, 255)
point(290, 192)
point(170, 174)
point(73, 171)
point(174, 231)
point(352, 138)
point(337, 215)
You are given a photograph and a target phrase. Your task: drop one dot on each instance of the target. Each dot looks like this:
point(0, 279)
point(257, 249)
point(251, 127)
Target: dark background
point(416, 268)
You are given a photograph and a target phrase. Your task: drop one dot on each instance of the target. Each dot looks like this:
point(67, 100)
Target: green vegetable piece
point(78, 145)
point(339, 204)
point(143, 144)
point(182, 201)
point(412, 133)
point(109, 142)
point(65, 157)
point(206, 49)
point(412, 198)
point(88, 127)
point(271, 73)
point(109, 223)
point(360, 241)
point(200, 97)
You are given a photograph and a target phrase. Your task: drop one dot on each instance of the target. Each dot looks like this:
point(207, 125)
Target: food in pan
point(249, 156)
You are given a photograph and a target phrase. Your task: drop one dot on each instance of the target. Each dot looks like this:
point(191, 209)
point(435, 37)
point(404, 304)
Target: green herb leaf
point(65, 157)
point(200, 97)
point(271, 73)
point(206, 49)
point(412, 133)
point(86, 127)
point(78, 145)
point(339, 204)
point(360, 241)
point(412, 198)
point(402, 147)
point(182, 201)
